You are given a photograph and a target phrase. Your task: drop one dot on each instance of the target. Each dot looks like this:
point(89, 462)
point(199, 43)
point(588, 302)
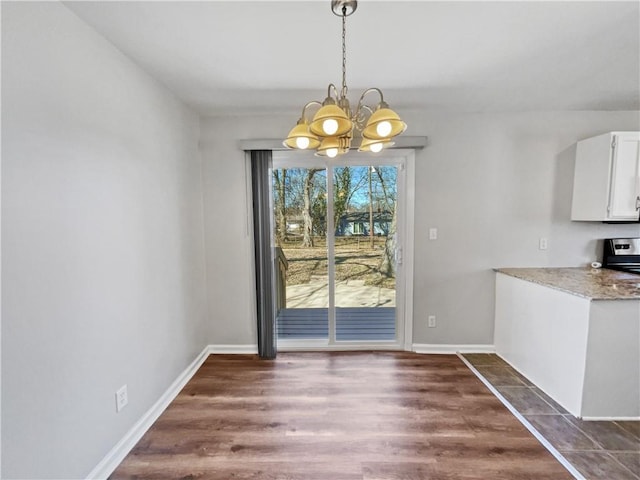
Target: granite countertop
point(592, 283)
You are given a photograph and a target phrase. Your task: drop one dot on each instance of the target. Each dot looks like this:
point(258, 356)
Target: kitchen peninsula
point(575, 333)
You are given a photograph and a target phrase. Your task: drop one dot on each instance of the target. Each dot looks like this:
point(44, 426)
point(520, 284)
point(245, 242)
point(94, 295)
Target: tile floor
point(598, 450)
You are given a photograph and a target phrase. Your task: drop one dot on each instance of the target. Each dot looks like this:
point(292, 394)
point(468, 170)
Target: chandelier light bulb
point(375, 148)
point(332, 152)
point(383, 129)
point(302, 142)
point(330, 126)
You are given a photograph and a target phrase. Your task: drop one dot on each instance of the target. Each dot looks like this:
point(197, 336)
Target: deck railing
point(282, 265)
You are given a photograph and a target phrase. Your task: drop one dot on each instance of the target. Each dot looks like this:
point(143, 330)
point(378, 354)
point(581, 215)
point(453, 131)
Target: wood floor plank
point(338, 416)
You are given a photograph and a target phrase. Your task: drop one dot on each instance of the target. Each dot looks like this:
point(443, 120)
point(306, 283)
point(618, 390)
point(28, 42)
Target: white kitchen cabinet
point(606, 184)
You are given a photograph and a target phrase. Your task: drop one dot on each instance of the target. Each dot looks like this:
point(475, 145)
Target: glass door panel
point(364, 216)
point(300, 234)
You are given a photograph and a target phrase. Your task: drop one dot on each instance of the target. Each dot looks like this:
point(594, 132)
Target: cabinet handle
point(638, 202)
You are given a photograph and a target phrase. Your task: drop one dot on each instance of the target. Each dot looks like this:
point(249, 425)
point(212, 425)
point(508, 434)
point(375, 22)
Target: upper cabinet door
point(606, 182)
point(624, 200)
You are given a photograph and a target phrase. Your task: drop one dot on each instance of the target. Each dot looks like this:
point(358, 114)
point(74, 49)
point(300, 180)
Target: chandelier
point(334, 126)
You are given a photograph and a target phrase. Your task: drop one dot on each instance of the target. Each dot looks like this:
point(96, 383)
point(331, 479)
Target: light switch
point(433, 233)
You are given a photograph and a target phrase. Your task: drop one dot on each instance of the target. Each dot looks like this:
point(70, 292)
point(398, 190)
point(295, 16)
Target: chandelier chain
point(344, 51)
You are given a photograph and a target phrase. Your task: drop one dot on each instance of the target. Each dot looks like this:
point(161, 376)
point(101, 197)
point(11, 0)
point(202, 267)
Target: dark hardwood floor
point(338, 416)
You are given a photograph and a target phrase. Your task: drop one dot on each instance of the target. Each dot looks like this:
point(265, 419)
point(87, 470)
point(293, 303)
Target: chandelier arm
point(368, 90)
point(304, 109)
point(335, 91)
point(360, 117)
point(366, 107)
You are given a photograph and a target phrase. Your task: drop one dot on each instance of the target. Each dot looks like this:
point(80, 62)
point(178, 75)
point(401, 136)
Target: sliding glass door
point(337, 232)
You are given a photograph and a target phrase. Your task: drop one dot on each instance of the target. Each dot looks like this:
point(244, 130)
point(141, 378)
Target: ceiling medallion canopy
point(335, 127)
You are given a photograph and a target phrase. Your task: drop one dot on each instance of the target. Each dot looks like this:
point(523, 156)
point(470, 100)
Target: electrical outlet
point(542, 245)
point(431, 321)
point(122, 398)
point(433, 233)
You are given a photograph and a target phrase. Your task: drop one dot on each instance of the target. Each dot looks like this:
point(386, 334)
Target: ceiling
point(225, 57)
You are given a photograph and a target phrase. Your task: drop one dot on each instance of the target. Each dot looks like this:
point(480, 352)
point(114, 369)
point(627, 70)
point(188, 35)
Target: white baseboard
point(611, 419)
point(236, 349)
point(451, 349)
point(110, 462)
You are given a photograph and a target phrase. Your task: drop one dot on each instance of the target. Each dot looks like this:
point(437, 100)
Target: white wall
point(228, 231)
point(102, 233)
point(492, 184)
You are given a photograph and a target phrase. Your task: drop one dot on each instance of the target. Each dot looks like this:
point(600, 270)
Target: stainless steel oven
point(622, 254)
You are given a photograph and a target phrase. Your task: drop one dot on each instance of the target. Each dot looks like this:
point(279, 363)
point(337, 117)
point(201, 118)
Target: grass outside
point(355, 260)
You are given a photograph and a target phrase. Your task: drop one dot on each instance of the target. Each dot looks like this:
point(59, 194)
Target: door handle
point(398, 256)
